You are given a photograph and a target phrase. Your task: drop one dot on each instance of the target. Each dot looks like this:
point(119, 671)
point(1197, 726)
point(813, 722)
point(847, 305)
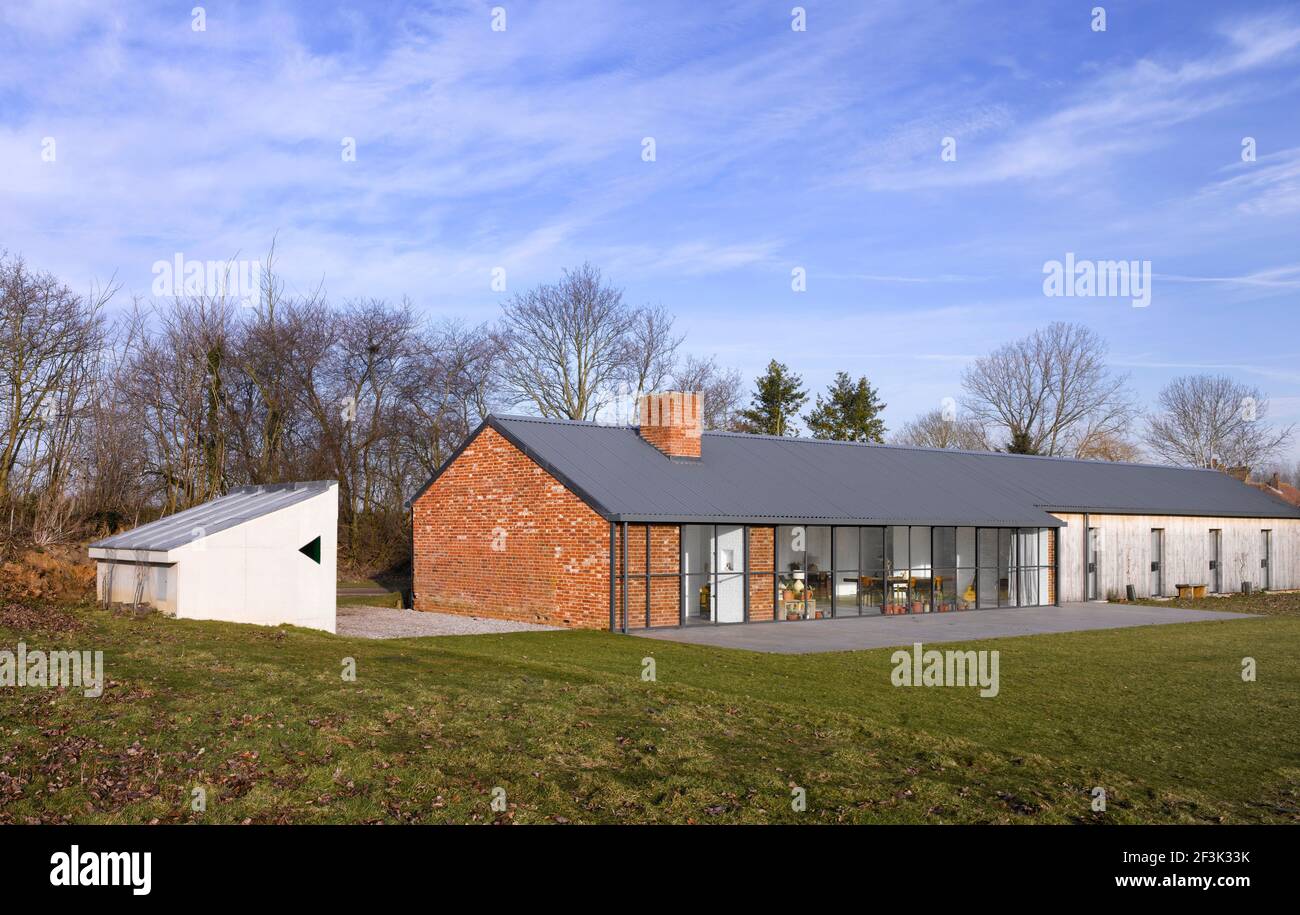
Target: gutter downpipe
point(613, 623)
point(625, 607)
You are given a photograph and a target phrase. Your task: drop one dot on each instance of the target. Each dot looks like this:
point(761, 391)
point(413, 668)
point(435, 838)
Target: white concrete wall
point(1125, 554)
point(254, 572)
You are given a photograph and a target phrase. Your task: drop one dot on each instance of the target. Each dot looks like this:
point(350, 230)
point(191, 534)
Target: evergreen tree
point(778, 395)
point(1021, 443)
point(850, 412)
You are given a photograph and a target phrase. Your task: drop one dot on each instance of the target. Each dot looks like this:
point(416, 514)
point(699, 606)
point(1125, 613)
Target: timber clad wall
point(1125, 554)
point(1051, 566)
point(496, 535)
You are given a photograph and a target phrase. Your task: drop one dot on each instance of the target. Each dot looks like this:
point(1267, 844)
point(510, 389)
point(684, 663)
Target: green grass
point(563, 722)
point(390, 585)
point(391, 599)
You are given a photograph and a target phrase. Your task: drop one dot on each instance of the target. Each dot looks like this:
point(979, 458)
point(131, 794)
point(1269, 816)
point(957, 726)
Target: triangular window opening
point(311, 550)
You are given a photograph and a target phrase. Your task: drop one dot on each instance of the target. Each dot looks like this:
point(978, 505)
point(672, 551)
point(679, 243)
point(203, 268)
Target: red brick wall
point(498, 536)
point(762, 581)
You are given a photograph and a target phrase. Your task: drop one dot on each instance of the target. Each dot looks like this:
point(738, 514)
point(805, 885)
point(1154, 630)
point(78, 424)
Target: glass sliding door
point(729, 579)
point(987, 574)
point(945, 569)
point(817, 594)
point(697, 573)
point(792, 567)
point(897, 571)
point(1025, 556)
point(871, 568)
point(921, 579)
point(713, 573)
point(847, 579)
point(965, 590)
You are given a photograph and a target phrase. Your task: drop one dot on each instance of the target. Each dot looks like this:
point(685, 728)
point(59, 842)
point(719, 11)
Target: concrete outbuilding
point(259, 554)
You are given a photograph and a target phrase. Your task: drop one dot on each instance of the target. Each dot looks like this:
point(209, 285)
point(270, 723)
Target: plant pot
point(787, 595)
point(791, 615)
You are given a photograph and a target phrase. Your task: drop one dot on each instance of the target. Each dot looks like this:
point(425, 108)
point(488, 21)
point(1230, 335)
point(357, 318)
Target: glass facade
point(806, 572)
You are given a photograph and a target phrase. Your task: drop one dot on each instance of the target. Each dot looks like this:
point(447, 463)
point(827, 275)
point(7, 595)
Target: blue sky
point(775, 149)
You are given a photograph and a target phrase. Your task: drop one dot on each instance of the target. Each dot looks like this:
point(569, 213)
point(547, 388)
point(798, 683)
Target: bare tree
point(448, 390)
point(566, 345)
point(1209, 420)
point(1108, 445)
point(49, 338)
point(1051, 391)
point(651, 350)
point(721, 390)
point(934, 430)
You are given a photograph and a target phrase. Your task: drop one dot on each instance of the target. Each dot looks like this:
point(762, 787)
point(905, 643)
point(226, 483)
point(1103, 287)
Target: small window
point(311, 550)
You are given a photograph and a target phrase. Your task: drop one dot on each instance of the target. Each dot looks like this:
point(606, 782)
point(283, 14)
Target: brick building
point(597, 526)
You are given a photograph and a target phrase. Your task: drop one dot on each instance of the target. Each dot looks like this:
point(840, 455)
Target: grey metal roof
point(763, 479)
point(239, 505)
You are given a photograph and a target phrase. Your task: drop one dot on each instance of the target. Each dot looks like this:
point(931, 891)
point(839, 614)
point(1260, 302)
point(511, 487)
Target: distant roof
point(241, 504)
point(764, 479)
point(1284, 491)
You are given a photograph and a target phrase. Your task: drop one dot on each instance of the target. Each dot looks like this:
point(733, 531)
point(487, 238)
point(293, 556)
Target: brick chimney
point(671, 421)
point(1276, 481)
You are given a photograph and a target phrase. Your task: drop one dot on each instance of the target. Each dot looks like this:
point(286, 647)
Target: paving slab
point(860, 633)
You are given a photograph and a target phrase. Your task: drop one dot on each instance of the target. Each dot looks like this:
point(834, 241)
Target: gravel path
point(388, 623)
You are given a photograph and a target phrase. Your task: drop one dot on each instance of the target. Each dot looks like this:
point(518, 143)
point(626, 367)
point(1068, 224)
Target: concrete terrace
point(860, 633)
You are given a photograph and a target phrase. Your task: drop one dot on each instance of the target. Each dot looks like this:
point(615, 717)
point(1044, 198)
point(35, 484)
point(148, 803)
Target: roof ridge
point(899, 447)
point(825, 441)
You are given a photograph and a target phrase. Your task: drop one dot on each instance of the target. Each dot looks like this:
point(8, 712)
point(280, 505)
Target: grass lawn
point(368, 592)
point(391, 599)
point(562, 721)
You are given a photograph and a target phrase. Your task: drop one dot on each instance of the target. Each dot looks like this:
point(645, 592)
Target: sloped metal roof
point(236, 507)
point(763, 479)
